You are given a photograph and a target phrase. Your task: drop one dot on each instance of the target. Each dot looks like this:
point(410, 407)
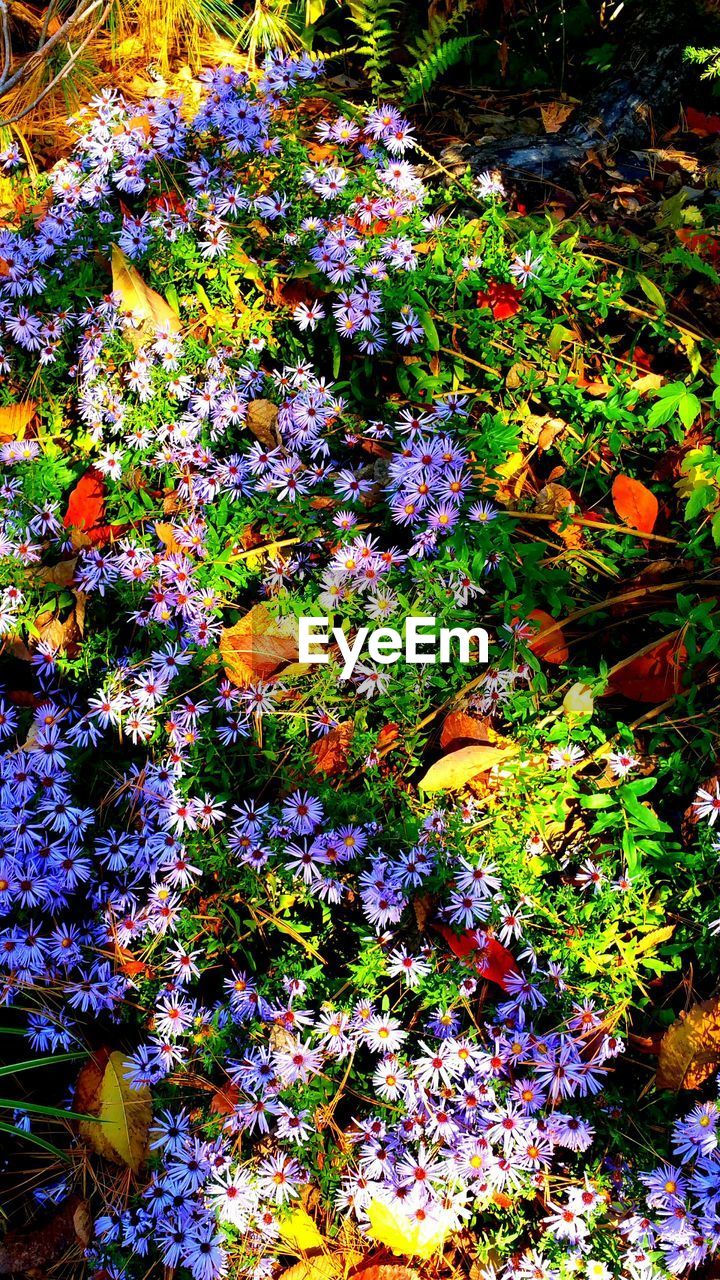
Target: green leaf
point(652, 293)
point(689, 408)
point(600, 801)
point(700, 499)
point(431, 332)
point(663, 410)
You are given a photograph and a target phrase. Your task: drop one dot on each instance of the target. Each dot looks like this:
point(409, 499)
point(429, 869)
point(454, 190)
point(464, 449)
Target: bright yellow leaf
point(299, 1232)
point(452, 771)
point(139, 299)
point(405, 1235)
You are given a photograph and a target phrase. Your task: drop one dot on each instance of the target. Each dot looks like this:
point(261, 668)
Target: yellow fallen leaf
point(323, 1267)
point(578, 700)
point(452, 771)
point(140, 300)
point(690, 1048)
point(14, 418)
point(511, 465)
point(405, 1235)
point(257, 646)
point(103, 1091)
point(299, 1232)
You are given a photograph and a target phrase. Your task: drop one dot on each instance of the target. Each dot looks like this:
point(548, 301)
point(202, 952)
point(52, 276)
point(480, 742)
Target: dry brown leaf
point(424, 906)
point(262, 416)
point(257, 646)
point(554, 115)
point(453, 771)
point(549, 433)
point(46, 1241)
point(554, 500)
point(690, 1048)
point(140, 300)
point(60, 574)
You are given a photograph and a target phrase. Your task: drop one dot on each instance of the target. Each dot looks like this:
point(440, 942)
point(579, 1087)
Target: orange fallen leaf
point(387, 736)
point(653, 676)
point(330, 753)
point(690, 1048)
point(458, 727)
point(549, 642)
point(224, 1101)
point(14, 418)
point(257, 646)
point(86, 504)
point(554, 115)
point(166, 534)
point(635, 505)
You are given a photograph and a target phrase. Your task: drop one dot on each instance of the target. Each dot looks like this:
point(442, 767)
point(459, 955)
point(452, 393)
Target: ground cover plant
point(348, 967)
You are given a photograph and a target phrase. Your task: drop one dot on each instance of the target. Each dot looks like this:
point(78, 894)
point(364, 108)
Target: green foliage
point(423, 74)
point(376, 24)
point(708, 59)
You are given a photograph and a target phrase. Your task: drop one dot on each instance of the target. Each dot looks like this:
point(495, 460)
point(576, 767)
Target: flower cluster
point(172, 860)
point(681, 1217)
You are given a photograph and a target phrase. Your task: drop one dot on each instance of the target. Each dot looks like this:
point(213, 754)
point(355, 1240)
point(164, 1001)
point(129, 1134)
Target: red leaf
point(491, 959)
point(654, 676)
point(224, 1101)
point(504, 300)
point(552, 647)
point(86, 504)
point(699, 123)
point(700, 242)
point(635, 505)
point(102, 533)
point(387, 736)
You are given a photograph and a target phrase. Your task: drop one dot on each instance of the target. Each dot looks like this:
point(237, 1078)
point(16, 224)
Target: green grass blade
point(41, 1110)
point(31, 1063)
point(32, 1137)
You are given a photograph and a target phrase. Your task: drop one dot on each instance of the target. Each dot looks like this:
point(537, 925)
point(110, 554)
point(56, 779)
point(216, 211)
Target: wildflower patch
point(345, 879)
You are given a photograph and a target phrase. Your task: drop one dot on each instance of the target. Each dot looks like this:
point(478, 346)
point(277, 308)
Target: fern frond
point(707, 58)
point(420, 78)
point(439, 27)
point(373, 21)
